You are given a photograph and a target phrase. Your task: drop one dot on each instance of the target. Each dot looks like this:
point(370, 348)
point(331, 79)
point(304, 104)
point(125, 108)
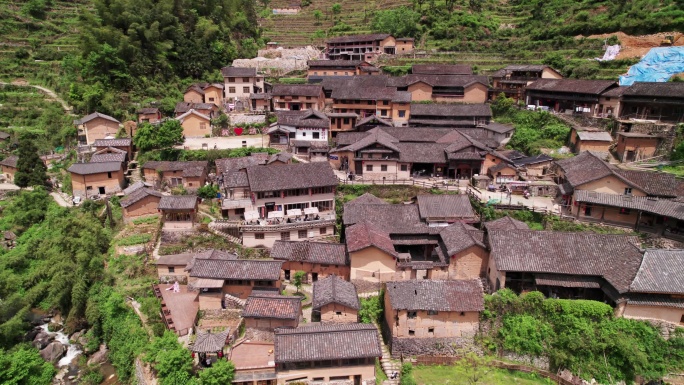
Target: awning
point(294, 212)
point(311, 210)
point(207, 283)
point(251, 215)
point(235, 204)
point(567, 281)
point(275, 214)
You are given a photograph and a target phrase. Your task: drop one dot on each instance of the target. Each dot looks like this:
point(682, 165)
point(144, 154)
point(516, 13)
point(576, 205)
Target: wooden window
point(316, 135)
point(338, 313)
point(203, 126)
point(302, 234)
point(259, 236)
point(369, 167)
point(231, 80)
point(285, 236)
point(431, 330)
point(404, 167)
point(402, 113)
point(172, 269)
point(323, 231)
point(383, 167)
point(432, 312)
point(412, 332)
point(231, 90)
point(308, 98)
point(109, 175)
point(411, 314)
point(245, 90)
point(245, 80)
point(462, 314)
point(628, 191)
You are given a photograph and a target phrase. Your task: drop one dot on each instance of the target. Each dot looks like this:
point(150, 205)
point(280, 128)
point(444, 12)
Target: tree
point(222, 372)
point(678, 152)
point(336, 10)
point(317, 15)
point(149, 137)
point(24, 366)
point(475, 368)
point(31, 170)
point(400, 22)
point(298, 279)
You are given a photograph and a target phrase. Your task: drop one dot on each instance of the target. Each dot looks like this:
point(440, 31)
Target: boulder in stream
point(53, 352)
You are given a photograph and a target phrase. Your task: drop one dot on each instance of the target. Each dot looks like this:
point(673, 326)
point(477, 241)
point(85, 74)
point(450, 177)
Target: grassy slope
point(454, 375)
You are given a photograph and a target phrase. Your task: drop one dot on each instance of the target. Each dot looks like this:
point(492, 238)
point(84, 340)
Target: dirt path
point(50, 93)
point(638, 46)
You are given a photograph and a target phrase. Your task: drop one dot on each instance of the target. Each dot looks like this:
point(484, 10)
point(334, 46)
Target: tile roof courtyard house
point(191, 175)
point(653, 101)
point(568, 95)
point(140, 203)
point(327, 352)
point(334, 301)
point(513, 79)
point(270, 312)
point(317, 259)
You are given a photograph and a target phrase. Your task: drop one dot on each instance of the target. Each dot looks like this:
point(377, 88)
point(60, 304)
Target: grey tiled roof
point(175, 259)
point(326, 342)
point(312, 252)
point(506, 223)
point(364, 234)
point(442, 69)
point(583, 168)
point(278, 307)
point(224, 165)
point(661, 271)
point(122, 142)
point(366, 199)
point(567, 281)
point(108, 157)
point(652, 89)
point(655, 300)
point(148, 110)
point(210, 254)
point(453, 295)
point(613, 257)
point(291, 176)
point(601, 136)
point(138, 195)
point(499, 128)
point(238, 72)
point(592, 87)
point(237, 269)
point(314, 90)
point(284, 157)
point(304, 118)
point(190, 169)
point(358, 38)
point(10, 161)
point(541, 158)
point(334, 63)
point(665, 207)
point(95, 115)
point(654, 183)
point(178, 202)
point(394, 219)
point(446, 206)
point(235, 179)
point(334, 289)
point(372, 119)
point(207, 342)
point(94, 168)
point(450, 110)
point(422, 152)
point(458, 237)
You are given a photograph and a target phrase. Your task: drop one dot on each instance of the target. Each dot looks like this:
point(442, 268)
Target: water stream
point(72, 350)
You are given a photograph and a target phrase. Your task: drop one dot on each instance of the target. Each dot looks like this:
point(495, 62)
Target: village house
point(209, 109)
point(401, 152)
point(271, 312)
point(204, 93)
point(317, 259)
point(297, 97)
point(140, 203)
point(150, 115)
point(393, 243)
point(661, 102)
point(177, 267)
point(590, 139)
point(239, 83)
point(501, 133)
point(217, 278)
point(370, 122)
point(377, 100)
point(469, 89)
point(178, 212)
point(195, 124)
point(253, 362)
point(342, 121)
point(657, 291)
point(96, 126)
point(323, 68)
point(531, 166)
point(261, 102)
point(502, 174)
point(286, 202)
point(560, 264)
point(441, 311)
point(91, 179)
point(122, 144)
point(232, 178)
point(567, 95)
point(334, 301)
point(366, 47)
point(190, 175)
point(327, 352)
point(513, 79)
point(610, 103)
point(635, 146)
point(298, 130)
point(445, 209)
point(450, 115)
point(9, 167)
point(441, 69)
point(110, 154)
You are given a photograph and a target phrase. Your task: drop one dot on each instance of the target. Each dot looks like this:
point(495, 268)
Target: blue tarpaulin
point(658, 65)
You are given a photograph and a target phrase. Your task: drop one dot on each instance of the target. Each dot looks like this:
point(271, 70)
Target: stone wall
point(430, 346)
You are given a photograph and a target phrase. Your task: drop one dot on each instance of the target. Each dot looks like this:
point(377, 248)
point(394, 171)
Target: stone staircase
point(214, 228)
point(389, 365)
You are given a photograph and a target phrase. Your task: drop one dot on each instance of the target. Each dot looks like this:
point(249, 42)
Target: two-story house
point(662, 102)
point(304, 133)
point(296, 97)
point(450, 115)
point(204, 93)
point(366, 47)
point(240, 82)
point(96, 126)
point(101, 178)
point(150, 115)
point(191, 175)
point(467, 89)
point(513, 79)
point(334, 301)
point(319, 69)
point(567, 95)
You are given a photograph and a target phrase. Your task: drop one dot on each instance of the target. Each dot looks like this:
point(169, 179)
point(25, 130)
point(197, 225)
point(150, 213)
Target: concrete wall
point(668, 314)
point(195, 126)
point(372, 261)
point(444, 324)
point(112, 185)
point(609, 185)
point(143, 207)
point(272, 235)
point(309, 268)
point(99, 128)
point(329, 314)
